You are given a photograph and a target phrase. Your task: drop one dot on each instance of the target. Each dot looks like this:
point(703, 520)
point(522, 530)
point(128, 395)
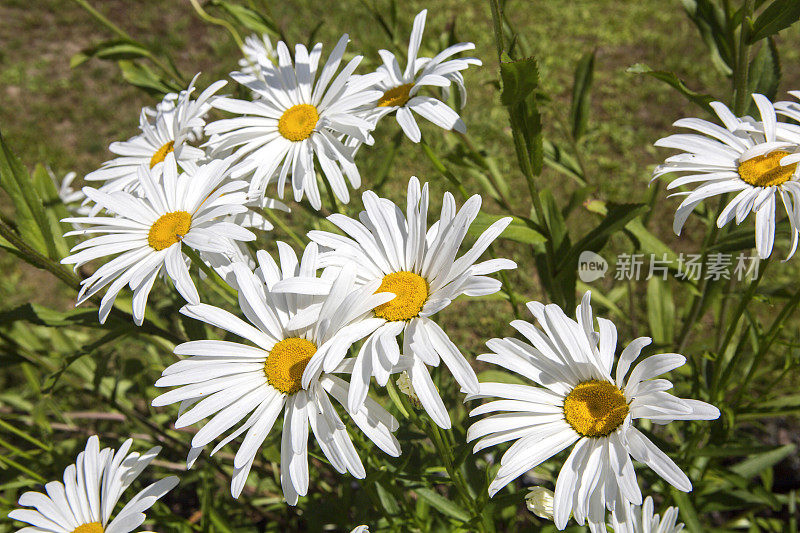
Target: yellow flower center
point(412, 292)
point(595, 408)
point(161, 153)
point(169, 229)
point(286, 361)
point(93, 527)
point(298, 122)
point(397, 96)
point(766, 170)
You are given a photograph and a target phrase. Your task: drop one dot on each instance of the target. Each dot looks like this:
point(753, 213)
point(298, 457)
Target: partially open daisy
point(227, 381)
point(580, 403)
point(755, 160)
point(147, 233)
point(400, 88)
point(643, 519)
point(300, 116)
point(399, 254)
point(92, 486)
point(164, 131)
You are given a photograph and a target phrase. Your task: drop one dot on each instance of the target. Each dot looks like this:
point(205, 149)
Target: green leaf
point(143, 77)
point(517, 230)
point(31, 221)
point(619, 215)
point(55, 210)
point(702, 100)
point(779, 15)
point(650, 244)
point(39, 314)
point(716, 30)
point(764, 73)
point(250, 19)
point(752, 466)
point(113, 50)
point(579, 110)
point(519, 78)
point(442, 504)
point(660, 310)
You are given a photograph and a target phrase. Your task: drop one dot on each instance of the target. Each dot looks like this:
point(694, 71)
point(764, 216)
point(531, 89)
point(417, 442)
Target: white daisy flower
point(401, 88)
point(755, 160)
point(148, 232)
point(361, 529)
point(300, 116)
point(228, 381)
point(642, 519)
point(92, 486)
point(176, 122)
point(401, 255)
point(259, 56)
point(580, 403)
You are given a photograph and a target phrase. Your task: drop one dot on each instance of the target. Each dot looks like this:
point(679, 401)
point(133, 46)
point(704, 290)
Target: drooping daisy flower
point(149, 232)
point(175, 121)
point(228, 381)
point(401, 88)
point(642, 519)
point(755, 160)
point(299, 117)
point(580, 403)
point(400, 254)
point(92, 486)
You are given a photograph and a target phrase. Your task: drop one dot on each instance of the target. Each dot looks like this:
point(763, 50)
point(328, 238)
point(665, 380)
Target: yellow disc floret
point(595, 408)
point(298, 122)
point(93, 527)
point(169, 229)
point(766, 170)
point(397, 96)
point(286, 361)
point(161, 153)
point(412, 292)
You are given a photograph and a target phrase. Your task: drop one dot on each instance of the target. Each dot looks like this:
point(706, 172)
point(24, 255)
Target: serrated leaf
point(702, 100)
point(31, 221)
point(780, 14)
point(519, 78)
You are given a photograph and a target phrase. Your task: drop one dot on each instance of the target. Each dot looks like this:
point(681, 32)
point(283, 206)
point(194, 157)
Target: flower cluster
point(361, 303)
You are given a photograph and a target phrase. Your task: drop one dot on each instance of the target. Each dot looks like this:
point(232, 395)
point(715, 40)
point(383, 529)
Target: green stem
point(737, 314)
point(125, 36)
point(210, 273)
point(740, 75)
point(218, 21)
point(278, 221)
point(445, 451)
point(439, 166)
